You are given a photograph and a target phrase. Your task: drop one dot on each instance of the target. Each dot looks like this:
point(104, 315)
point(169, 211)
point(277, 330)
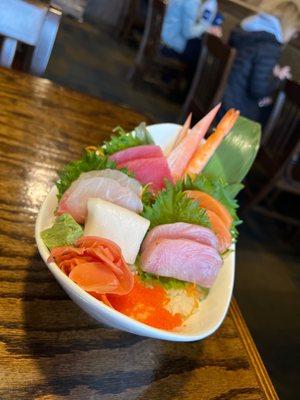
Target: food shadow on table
point(76, 356)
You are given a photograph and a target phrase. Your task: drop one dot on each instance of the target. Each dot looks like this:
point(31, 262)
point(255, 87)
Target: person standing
point(259, 42)
point(184, 23)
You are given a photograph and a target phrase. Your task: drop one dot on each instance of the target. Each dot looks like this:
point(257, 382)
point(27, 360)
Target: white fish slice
point(74, 200)
point(119, 176)
point(124, 227)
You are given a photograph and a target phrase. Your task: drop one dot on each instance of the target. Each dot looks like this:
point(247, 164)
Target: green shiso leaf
point(172, 205)
point(124, 140)
point(221, 191)
point(235, 156)
point(65, 231)
point(91, 160)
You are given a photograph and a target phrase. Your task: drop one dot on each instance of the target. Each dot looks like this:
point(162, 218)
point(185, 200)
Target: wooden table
point(49, 348)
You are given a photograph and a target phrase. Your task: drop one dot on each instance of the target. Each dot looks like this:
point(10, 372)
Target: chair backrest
point(29, 23)
point(281, 136)
point(210, 79)
point(151, 36)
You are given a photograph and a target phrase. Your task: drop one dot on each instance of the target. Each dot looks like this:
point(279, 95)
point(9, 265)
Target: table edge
point(125, 107)
point(252, 352)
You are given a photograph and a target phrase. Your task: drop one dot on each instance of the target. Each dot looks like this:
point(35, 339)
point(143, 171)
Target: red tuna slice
point(152, 171)
point(146, 151)
point(181, 230)
point(182, 259)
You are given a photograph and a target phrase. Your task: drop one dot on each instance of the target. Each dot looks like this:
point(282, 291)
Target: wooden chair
point(210, 79)
point(149, 63)
point(277, 168)
point(131, 20)
point(32, 24)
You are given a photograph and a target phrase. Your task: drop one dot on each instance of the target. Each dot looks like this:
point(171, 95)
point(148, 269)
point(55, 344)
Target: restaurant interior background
point(93, 55)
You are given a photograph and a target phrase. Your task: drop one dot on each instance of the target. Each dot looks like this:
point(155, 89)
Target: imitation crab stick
point(204, 153)
point(210, 203)
point(184, 130)
point(180, 156)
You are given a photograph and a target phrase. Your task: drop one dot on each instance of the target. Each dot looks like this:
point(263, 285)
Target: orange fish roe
point(146, 304)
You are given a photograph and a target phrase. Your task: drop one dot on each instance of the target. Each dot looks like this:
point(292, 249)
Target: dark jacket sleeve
point(262, 82)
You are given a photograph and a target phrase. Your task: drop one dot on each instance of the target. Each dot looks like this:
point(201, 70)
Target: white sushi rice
point(182, 302)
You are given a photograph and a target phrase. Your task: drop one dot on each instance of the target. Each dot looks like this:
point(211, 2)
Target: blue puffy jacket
point(258, 43)
point(183, 22)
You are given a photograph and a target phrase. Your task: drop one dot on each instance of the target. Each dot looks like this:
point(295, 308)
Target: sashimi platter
point(141, 231)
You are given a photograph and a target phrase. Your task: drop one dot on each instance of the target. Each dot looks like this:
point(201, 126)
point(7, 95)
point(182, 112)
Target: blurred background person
point(184, 23)
point(259, 42)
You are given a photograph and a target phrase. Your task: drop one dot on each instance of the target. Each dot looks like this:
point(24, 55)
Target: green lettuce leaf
point(167, 283)
point(221, 191)
point(172, 205)
point(124, 140)
point(65, 231)
point(170, 283)
point(235, 156)
point(91, 160)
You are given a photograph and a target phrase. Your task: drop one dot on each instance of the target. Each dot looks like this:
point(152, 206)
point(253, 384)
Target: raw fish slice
point(182, 259)
point(179, 158)
point(222, 232)
point(181, 230)
point(152, 171)
point(74, 200)
point(119, 176)
point(145, 151)
point(124, 227)
point(208, 202)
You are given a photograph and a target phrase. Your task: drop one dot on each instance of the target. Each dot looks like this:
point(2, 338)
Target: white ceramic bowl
point(203, 323)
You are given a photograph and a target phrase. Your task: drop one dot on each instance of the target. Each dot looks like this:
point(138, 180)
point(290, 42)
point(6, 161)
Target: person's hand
point(282, 73)
point(265, 102)
point(216, 31)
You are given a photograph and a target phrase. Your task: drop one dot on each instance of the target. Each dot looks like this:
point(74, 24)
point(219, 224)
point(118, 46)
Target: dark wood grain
point(49, 348)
